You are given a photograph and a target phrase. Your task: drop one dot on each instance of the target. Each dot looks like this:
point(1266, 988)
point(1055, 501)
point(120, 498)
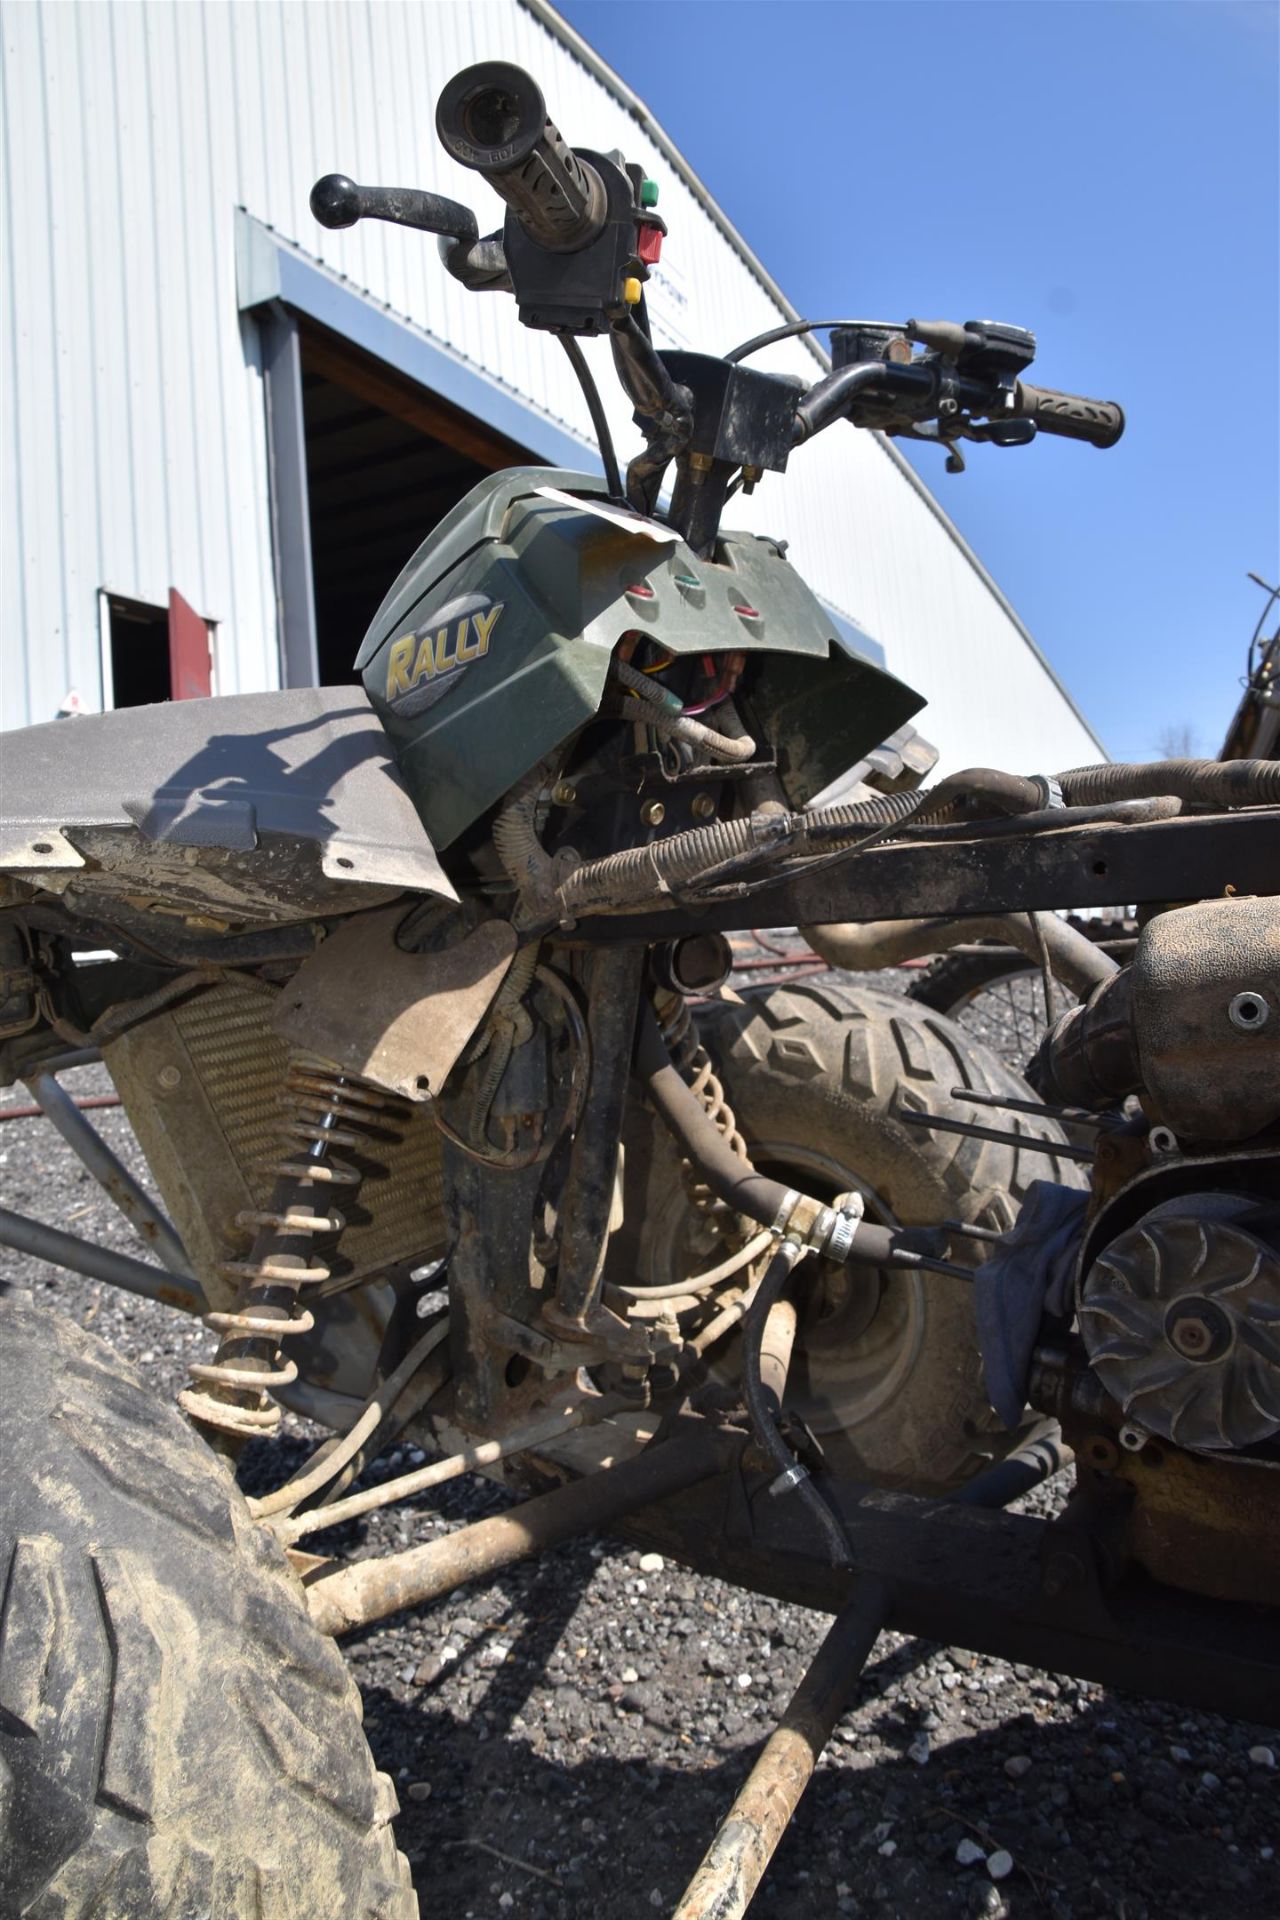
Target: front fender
point(303, 775)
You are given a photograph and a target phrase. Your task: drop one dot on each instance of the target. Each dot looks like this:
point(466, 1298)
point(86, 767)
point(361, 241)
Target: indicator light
point(639, 592)
point(648, 193)
point(631, 290)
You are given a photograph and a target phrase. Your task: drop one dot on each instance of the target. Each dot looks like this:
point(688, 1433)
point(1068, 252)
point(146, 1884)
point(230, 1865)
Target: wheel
point(887, 1371)
point(176, 1738)
point(998, 996)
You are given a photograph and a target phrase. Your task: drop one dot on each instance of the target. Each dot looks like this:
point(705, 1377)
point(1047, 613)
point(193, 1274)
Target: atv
point(417, 997)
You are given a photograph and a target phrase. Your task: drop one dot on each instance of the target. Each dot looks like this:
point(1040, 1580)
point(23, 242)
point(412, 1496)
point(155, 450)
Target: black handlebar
point(493, 119)
point(1100, 422)
point(594, 212)
point(337, 201)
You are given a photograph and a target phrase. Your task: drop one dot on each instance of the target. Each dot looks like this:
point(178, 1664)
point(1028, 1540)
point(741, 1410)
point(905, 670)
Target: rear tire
point(176, 1739)
point(889, 1376)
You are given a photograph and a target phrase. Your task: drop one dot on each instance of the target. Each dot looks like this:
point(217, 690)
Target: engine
point(1165, 1368)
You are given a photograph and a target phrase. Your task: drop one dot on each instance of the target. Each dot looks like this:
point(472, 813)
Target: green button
point(648, 193)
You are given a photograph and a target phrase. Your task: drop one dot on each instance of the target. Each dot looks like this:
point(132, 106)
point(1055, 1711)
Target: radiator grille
point(206, 1132)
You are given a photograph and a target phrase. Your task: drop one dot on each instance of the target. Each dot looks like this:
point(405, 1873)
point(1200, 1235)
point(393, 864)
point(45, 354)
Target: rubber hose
point(698, 734)
point(862, 946)
point(730, 1177)
point(763, 1424)
point(668, 720)
point(515, 839)
point(982, 791)
point(1221, 783)
point(504, 1027)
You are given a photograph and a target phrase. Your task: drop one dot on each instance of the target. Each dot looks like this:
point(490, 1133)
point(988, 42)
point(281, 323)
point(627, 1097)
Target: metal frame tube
point(291, 1527)
point(1073, 957)
point(153, 1228)
point(735, 1862)
point(352, 1597)
point(584, 1232)
point(98, 1263)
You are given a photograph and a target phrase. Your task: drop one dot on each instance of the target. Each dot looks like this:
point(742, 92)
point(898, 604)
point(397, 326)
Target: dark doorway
point(139, 653)
point(385, 462)
point(157, 653)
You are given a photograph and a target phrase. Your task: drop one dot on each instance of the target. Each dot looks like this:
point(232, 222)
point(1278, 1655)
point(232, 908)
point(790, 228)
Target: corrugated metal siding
point(133, 429)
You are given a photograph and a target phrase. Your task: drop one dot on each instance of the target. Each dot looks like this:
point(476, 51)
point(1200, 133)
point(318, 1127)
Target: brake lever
point(995, 433)
point(337, 202)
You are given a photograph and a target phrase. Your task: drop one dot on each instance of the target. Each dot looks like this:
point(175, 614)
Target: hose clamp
point(849, 1209)
point(1053, 798)
point(786, 1207)
point(788, 1479)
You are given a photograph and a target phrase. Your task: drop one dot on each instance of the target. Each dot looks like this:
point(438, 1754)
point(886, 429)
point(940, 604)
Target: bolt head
point(564, 794)
point(1191, 1336)
point(653, 813)
point(1249, 1011)
point(1199, 1328)
point(703, 806)
point(169, 1078)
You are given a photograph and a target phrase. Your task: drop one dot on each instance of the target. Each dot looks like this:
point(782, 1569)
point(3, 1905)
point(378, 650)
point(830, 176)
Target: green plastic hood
point(493, 645)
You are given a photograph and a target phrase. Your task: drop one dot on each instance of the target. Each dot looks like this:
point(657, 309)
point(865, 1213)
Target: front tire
point(176, 1739)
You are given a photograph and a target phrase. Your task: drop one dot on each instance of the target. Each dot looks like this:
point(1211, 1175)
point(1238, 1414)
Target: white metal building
point(218, 417)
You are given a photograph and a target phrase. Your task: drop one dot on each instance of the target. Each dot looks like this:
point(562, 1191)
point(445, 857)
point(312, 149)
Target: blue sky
point(1103, 171)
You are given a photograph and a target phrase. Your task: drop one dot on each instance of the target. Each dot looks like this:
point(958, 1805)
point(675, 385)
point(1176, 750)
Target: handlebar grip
point(1100, 422)
point(493, 119)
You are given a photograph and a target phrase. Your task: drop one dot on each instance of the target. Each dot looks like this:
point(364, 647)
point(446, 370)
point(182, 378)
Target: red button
point(650, 248)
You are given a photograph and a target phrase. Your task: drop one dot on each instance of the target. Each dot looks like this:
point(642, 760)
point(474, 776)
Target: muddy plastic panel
point(308, 764)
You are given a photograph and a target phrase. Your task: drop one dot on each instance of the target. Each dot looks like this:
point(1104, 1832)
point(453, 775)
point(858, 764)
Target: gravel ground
point(565, 1740)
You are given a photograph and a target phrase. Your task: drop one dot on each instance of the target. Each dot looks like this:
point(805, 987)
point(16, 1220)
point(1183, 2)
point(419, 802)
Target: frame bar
point(1192, 857)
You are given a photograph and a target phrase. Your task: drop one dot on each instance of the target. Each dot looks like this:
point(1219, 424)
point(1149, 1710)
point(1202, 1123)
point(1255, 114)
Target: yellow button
point(631, 291)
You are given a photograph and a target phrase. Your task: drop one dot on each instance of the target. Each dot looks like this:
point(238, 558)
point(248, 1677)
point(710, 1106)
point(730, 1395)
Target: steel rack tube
point(352, 1597)
point(860, 946)
point(119, 1185)
point(98, 1263)
point(289, 1527)
point(735, 1862)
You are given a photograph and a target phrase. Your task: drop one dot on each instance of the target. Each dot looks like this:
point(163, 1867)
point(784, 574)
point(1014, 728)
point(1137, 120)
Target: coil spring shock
point(693, 1062)
point(327, 1110)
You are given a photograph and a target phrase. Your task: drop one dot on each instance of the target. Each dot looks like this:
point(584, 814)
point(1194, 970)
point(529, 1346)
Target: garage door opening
point(382, 460)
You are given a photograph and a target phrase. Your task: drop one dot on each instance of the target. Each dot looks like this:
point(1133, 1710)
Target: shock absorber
point(328, 1110)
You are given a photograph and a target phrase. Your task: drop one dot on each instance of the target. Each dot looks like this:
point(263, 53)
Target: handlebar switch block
point(576, 292)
